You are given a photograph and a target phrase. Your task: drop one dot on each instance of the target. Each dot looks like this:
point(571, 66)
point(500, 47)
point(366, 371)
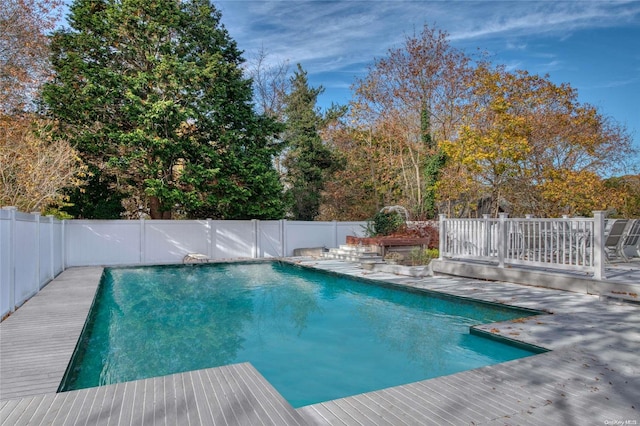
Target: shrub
point(423, 256)
point(384, 223)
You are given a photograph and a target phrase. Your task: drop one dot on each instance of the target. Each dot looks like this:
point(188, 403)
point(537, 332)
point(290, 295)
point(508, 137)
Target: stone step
point(339, 252)
point(370, 257)
point(353, 252)
point(356, 249)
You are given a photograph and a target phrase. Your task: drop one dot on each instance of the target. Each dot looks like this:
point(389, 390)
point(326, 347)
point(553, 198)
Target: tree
point(409, 99)
point(367, 182)
point(152, 95)
point(530, 143)
point(628, 188)
point(308, 160)
point(33, 169)
point(271, 84)
point(24, 51)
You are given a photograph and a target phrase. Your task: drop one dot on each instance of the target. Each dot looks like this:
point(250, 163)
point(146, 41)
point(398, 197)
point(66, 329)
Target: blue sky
point(592, 45)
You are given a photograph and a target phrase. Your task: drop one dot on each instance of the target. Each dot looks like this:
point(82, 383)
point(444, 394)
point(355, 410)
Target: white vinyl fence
point(34, 249)
point(146, 242)
point(577, 244)
point(31, 255)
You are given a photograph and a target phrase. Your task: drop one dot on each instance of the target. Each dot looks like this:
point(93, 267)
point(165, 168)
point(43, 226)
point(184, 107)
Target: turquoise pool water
point(314, 336)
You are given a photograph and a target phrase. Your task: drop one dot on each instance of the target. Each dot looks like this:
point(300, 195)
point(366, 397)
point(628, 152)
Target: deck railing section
point(565, 243)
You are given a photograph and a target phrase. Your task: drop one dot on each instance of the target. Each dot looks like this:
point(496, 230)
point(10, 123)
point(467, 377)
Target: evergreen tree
point(151, 93)
point(308, 160)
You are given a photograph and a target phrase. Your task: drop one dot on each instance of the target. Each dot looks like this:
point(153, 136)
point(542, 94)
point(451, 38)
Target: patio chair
point(534, 241)
point(613, 240)
point(632, 238)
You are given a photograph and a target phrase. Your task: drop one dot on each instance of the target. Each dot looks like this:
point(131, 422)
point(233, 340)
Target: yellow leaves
point(577, 193)
point(33, 170)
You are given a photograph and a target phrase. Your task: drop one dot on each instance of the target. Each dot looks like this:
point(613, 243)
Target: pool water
point(314, 336)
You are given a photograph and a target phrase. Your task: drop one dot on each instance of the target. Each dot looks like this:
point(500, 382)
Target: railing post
point(486, 251)
point(52, 267)
point(214, 239)
point(284, 238)
point(36, 220)
point(142, 242)
point(442, 218)
point(63, 243)
point(256, 239)
point(11, 258)
point(598, 245)
point(209, 239)
point(503, 235)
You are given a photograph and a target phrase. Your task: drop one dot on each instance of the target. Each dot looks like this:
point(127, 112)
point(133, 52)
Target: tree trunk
point(154, 209)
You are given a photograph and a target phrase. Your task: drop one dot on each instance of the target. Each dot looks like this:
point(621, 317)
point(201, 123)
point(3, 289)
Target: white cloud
point(333, 36)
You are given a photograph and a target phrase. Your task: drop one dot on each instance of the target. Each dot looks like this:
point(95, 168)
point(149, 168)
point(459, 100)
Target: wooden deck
point(230, 395)
point(564, 387)
point(591, 376)
point(37, 340)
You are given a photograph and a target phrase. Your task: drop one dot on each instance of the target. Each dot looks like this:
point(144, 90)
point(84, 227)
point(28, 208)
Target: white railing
point(566, 243)
point(34, 249)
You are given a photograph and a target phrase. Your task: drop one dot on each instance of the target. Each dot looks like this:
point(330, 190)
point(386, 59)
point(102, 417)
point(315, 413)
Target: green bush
point(384, 223)
point(423, 256)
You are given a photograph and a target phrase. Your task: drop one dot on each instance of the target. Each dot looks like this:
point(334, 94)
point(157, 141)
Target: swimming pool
point(314, 336)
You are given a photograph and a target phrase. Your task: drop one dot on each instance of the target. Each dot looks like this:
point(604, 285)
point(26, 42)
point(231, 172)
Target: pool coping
point(582, 331)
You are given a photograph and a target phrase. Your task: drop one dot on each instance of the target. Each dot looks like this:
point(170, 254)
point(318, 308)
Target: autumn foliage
point(24, 50)
point(153, 97)
point(34, 170)
point(428, 122)
point(531, 144)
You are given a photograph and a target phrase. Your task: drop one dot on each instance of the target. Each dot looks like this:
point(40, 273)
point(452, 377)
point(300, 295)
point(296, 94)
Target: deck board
point(138, 402)
point(531, 385)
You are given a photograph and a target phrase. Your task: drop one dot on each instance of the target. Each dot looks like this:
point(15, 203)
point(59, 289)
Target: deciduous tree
point(271, 83)
point(361, 188)
point(24, 54)
point(628, 189)
point(409, 99)
point(532, 144)
point(33, 169)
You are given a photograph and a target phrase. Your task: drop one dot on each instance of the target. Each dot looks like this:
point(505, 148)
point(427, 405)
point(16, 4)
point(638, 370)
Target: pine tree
point(308, 160)
point(153, 96)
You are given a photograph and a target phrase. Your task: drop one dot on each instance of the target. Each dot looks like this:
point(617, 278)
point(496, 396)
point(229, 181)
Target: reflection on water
point(314, 336)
